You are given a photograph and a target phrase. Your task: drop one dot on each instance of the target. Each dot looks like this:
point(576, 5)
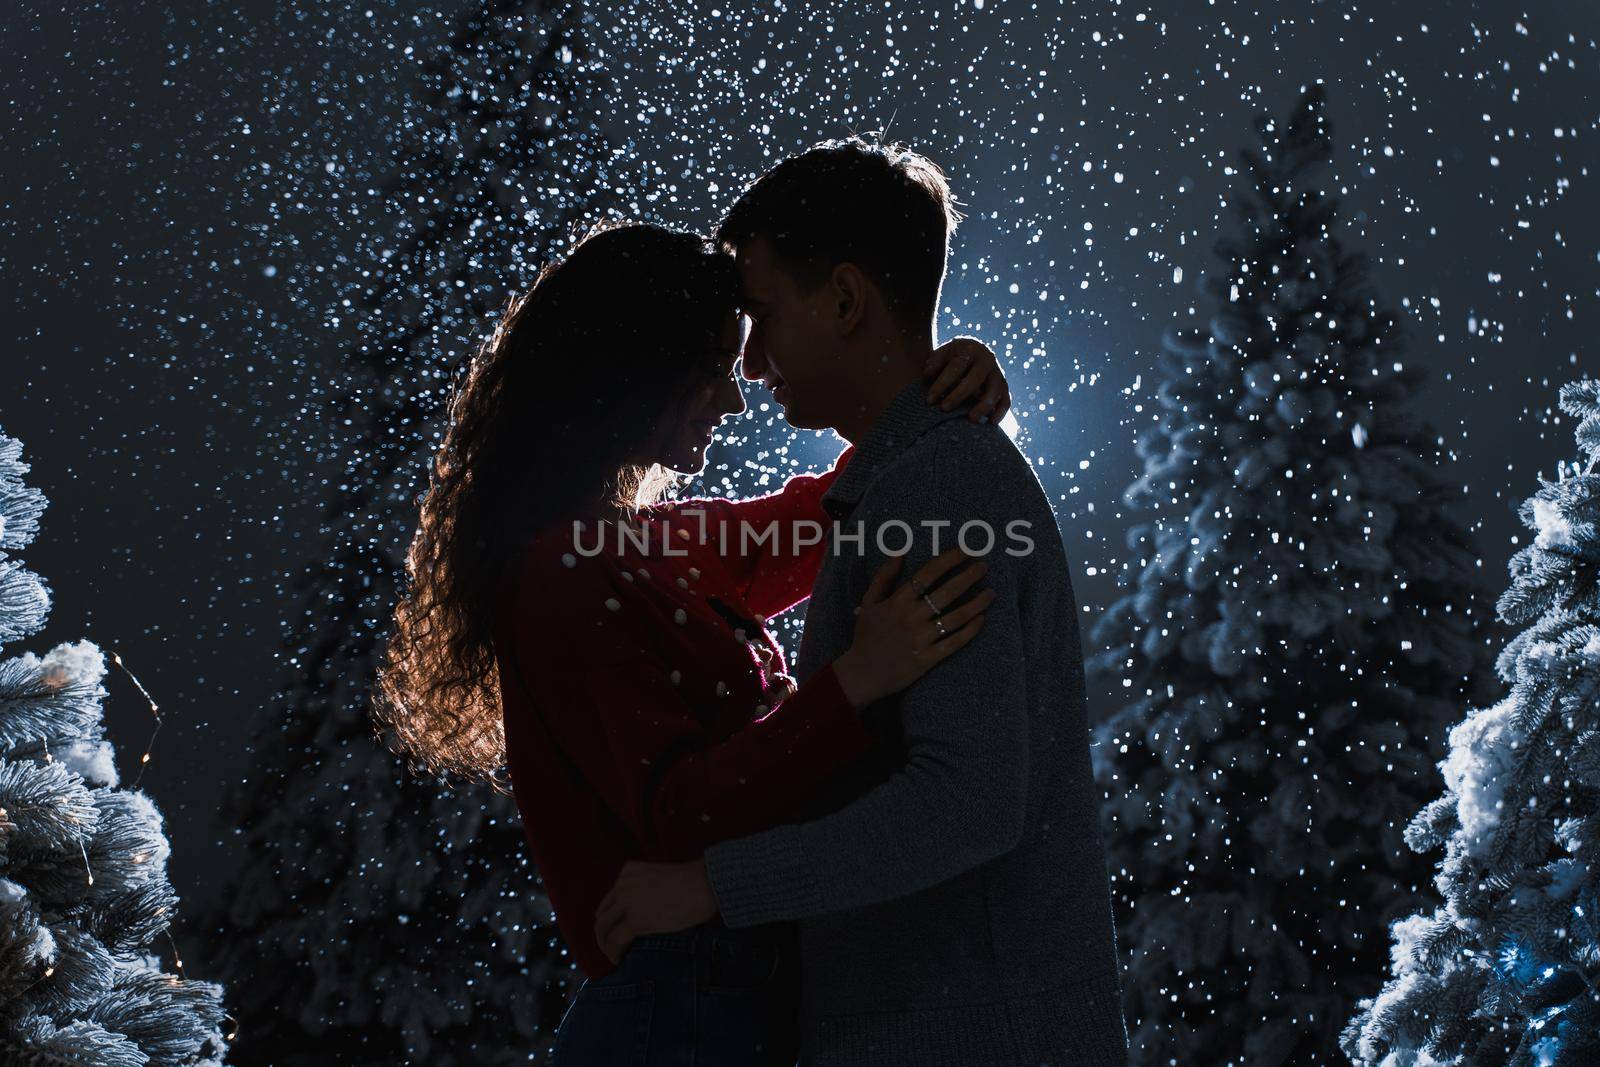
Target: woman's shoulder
point(558, 554)
point(569, 605)
point(569, 571)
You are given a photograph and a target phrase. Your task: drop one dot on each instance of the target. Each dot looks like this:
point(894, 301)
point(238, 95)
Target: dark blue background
point(156, 362)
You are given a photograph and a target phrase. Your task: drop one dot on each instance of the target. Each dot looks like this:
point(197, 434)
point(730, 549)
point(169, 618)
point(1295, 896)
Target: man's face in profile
point(790, 345)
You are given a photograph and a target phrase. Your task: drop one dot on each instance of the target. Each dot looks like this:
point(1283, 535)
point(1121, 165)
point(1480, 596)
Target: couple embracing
point(890, 856)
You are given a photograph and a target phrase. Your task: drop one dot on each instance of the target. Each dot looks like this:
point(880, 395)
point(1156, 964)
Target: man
point(953, 907)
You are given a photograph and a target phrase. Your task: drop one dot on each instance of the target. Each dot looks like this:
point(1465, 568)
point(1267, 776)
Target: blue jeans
point(705, 997)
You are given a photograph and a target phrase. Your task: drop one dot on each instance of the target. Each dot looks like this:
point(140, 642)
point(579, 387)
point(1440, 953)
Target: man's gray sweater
point(958, 910)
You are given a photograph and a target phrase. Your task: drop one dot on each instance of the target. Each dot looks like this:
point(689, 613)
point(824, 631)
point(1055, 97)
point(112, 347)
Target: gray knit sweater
point(953, 905)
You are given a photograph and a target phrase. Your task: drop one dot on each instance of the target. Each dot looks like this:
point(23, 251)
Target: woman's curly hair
point(568, 397)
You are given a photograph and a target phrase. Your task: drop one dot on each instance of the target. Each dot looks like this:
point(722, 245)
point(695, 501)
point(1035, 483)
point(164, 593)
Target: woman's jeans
point(706, 997)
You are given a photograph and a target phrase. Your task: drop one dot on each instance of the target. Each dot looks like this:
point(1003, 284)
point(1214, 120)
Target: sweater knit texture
point(953, 902)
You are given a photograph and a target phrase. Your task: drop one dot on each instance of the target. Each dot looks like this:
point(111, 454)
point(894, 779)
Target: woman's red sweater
point(640, 692)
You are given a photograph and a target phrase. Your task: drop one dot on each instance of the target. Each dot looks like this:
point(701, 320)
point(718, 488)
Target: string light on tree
point(77, 979)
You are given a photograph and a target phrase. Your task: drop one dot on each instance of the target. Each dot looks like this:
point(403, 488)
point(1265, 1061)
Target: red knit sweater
point(637, 721)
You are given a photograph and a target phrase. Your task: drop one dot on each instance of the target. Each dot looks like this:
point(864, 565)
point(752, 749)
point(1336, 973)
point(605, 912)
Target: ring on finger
point(929, 601)
point(942, 631)
point(917, 587)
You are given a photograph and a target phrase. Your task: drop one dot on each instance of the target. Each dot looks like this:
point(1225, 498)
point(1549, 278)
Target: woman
point(611, 649)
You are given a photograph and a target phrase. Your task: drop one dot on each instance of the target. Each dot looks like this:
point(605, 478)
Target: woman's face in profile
point(686, 432)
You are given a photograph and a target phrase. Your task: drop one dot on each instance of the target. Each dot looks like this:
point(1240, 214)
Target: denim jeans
point(705, 997)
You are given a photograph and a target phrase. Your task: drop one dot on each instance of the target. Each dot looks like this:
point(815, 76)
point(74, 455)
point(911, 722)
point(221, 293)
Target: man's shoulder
point(961, 472)
point(963, 463)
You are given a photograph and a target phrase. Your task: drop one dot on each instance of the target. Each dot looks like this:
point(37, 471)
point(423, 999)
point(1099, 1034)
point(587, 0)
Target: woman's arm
point(771, 558)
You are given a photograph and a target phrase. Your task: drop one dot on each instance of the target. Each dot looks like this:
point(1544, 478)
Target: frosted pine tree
point(83, 880)
point(381, 918)
point(1507, 970)
point(1300, 626)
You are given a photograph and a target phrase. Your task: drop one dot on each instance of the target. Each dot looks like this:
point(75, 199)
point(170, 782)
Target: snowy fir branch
point(83, 882)
point(1517, 980)
point(1302, 620)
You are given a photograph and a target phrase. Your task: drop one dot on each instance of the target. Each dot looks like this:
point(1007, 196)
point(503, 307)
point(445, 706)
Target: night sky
point(164, 340)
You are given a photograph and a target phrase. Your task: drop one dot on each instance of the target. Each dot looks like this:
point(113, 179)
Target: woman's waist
point(712, 955)
point(577, 871)
point(714, 934)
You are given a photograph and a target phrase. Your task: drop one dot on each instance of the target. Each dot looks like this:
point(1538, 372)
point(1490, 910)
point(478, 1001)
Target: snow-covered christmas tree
point(83, 878)
point(1507, 970)
point(1301, 624)
point(380, 917)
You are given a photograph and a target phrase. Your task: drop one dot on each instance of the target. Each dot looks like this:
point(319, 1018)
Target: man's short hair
point(882, 207)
